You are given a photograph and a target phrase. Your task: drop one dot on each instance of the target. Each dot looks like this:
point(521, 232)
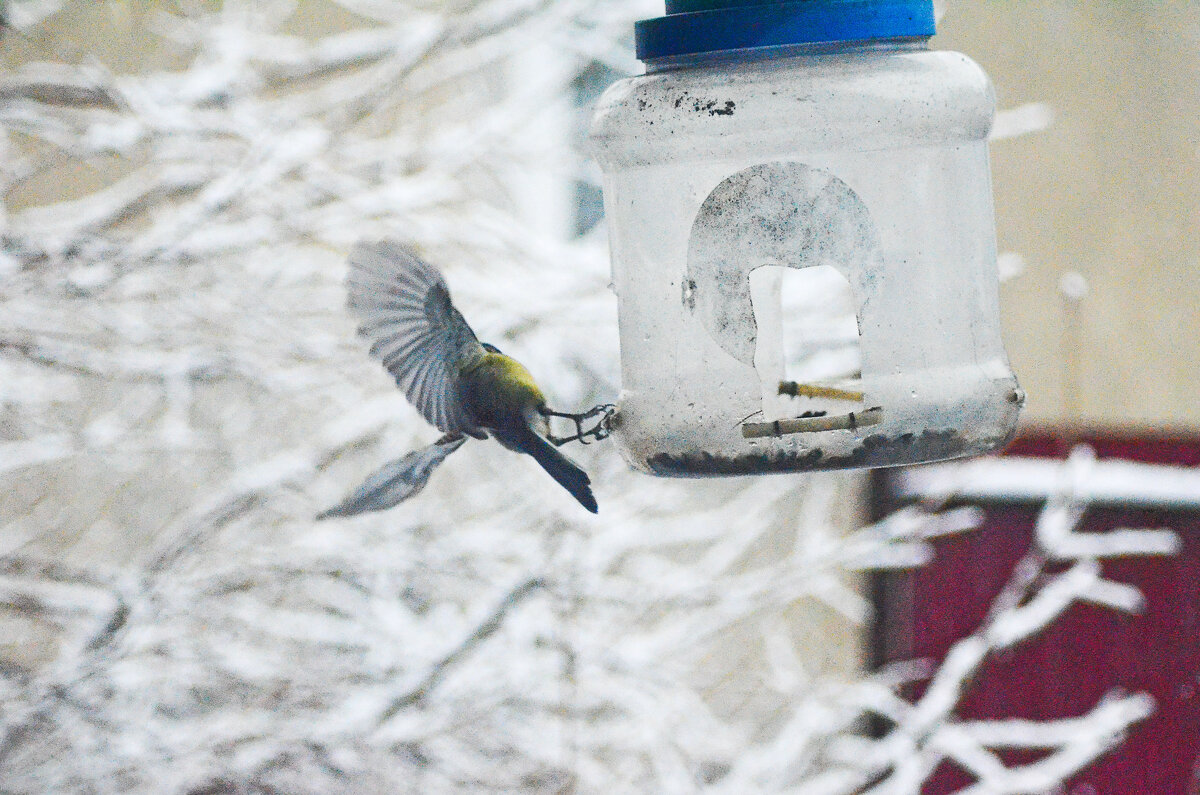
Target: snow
point(181, 392)
point(1031, 117)
point(1021, 479)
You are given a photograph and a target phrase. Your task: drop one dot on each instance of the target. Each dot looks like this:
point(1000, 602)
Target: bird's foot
point(601, 430)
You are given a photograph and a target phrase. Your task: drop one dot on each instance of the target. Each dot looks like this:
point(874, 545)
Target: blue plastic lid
point(699, 26)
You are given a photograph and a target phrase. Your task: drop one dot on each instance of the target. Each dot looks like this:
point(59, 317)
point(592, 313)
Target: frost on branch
point(180, 392)
point(927, 732)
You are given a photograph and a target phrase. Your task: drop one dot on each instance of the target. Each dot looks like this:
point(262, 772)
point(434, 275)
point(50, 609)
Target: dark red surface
point(1089, 651)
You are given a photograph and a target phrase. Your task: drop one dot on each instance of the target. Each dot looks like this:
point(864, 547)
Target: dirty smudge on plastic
point(781, 213)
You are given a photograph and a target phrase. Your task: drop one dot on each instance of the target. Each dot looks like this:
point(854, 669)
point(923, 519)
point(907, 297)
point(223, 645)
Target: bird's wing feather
point(397, 480)
point(405, 311)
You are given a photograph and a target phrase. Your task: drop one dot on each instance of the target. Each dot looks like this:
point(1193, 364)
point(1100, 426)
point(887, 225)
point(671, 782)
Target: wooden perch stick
point(818, 391)
point(855, 419)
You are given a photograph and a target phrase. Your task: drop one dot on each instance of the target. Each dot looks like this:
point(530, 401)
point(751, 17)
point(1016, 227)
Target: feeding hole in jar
point(806, 344)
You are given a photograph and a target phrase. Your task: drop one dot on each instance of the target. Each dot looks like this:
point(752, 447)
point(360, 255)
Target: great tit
point(462, 386)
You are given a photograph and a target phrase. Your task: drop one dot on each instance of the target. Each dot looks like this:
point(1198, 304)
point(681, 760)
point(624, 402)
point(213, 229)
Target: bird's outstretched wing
point(397, 480)
point(414, 329)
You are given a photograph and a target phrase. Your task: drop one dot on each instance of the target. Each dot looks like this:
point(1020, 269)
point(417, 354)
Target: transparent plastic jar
point(844, 164)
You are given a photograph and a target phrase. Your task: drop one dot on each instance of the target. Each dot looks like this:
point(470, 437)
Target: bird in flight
point(464, 387)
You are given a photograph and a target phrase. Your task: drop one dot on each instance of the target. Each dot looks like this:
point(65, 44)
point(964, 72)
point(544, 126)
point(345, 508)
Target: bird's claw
point(601, 430)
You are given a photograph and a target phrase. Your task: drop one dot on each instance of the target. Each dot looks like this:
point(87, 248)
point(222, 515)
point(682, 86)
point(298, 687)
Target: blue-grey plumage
point(397, 480)
point(457, 383)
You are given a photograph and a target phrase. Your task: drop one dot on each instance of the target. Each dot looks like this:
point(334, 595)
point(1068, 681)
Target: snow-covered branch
point(929, 731)
point(181, 392)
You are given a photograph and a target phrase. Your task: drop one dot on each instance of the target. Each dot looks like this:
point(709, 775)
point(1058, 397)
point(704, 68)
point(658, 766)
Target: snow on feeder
point(803, 244)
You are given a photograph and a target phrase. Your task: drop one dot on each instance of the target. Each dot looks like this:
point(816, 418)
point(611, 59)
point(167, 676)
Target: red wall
point(1089, 651)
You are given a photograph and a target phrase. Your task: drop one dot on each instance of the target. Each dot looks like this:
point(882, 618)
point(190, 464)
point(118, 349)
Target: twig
point(481, 633)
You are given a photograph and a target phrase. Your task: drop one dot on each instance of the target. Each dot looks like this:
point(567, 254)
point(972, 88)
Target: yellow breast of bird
point(497, 389)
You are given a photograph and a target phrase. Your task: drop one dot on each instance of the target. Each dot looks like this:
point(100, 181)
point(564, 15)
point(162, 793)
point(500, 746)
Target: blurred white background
point(181, 391)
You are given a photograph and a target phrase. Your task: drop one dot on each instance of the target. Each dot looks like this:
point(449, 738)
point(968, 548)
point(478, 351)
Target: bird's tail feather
point(561, 468)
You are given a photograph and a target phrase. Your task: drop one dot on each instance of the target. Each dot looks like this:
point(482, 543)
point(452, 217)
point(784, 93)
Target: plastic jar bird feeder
point(803, 242)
